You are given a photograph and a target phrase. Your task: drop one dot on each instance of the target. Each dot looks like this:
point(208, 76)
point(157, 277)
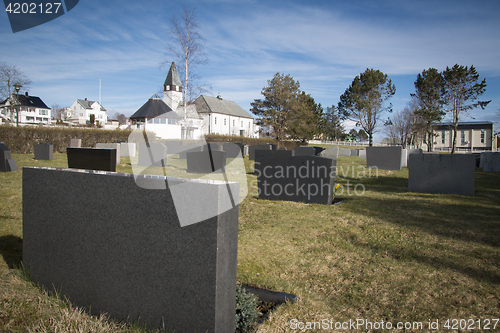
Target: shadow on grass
point(11, 248)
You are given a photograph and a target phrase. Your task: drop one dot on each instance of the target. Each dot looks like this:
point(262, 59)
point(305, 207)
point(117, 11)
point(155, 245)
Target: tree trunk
point(370, 139)
point(455, 129)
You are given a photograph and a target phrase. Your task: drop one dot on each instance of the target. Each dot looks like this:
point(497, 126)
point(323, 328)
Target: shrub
point(246, 310)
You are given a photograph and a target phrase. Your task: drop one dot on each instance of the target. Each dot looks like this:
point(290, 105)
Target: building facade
point(471, 136)
point(79, 112)
point(30, 111)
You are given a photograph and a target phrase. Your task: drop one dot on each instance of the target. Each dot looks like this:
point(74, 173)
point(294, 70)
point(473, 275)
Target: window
point(156, 120)
point(233, 123)
point(163, 121)
point(30, 119)
point(173, 121)
point(242, 123)
point(215, 120)
point(224, 121)
point(150, 120)
point(443, 133)
point(39, 119)
point(462, 136)
point(482, 136)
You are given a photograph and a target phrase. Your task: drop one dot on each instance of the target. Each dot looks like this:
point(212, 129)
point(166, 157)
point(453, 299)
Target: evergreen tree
point(363, 101)
point(333, 129)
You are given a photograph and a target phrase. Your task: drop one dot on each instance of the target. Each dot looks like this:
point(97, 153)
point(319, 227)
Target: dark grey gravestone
point(188, 149)
point(412, 151)
point(122, 249)
point(304, 151)
point(7, 163)
point(442, 173)
point(385, 158)
point(205, 161)
point(265, 154)
point(318, 150)
point(308, 179)
point(251, 150)
point(116, 146)
point(103, 159)
point(44, 151)
point(490, 161)
point(233, 149)
point(152, 154)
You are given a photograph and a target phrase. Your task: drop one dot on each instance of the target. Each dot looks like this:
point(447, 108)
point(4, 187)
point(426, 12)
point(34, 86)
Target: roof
point(30, 101)
point(207, 104)
point(464, 124)
point(88, 104)
point(173, 78)
point(153, 108)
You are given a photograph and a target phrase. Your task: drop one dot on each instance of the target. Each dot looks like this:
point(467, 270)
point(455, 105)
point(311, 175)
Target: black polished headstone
point(7, 163)
point(103, 159)
point(44, 151)
point(205, 161)
point(308, 179)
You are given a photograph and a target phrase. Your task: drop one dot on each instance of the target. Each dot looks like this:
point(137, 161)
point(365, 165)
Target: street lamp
point(17, 86)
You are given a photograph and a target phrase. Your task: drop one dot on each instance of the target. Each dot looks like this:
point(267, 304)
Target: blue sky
point(322, 44)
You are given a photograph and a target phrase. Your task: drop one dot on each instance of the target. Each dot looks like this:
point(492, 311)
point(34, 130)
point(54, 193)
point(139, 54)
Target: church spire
point(173, 81)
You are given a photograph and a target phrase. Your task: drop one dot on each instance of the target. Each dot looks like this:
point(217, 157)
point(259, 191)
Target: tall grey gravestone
point(308, 179)
point(385, 158)
point(442, 173)
point(43, 151)
point(121, 249)
point(7, 163)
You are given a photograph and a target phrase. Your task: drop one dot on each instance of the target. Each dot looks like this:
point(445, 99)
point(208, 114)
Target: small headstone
point(404, 158)
point(116, 146)
point(384, 158)
point(331, 152)
point(344, 152)
point(75, 143)
point(318, 150)
point(44, 151)
point(490, 161)
point(251, 150)
point(7, 163)
point(153, 155)
point(127, 149)
point(354, 152)
point(103, 159)
point(206, 161)
point(362, 154)
point(245, 150)
point(304, 151)
point(308, 179)
point(233, 149)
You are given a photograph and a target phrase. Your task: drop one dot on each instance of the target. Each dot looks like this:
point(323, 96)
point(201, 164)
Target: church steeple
point(172, 88)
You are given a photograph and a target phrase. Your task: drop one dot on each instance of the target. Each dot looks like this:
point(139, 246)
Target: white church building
point(207, 115)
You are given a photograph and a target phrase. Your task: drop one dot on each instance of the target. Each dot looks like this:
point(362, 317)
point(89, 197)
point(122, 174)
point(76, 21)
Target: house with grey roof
point(156, 116)
point(79, 112)
point(31, 110)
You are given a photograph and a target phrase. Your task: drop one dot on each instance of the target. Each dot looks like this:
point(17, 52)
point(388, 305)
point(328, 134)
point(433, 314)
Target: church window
point(215, 120)
point(482, 135)
point(224, 121)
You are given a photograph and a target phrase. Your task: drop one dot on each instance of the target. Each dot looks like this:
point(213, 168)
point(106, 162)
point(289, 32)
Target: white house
point(32, 110)
point(79, 112)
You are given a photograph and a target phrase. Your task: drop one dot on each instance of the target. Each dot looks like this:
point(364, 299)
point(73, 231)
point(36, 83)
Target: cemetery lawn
point(384, 255)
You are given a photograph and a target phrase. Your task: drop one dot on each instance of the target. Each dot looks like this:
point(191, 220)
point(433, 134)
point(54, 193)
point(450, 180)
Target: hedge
point(22, 139)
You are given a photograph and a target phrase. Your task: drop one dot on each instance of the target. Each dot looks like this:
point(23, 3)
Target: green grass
point(385, 255)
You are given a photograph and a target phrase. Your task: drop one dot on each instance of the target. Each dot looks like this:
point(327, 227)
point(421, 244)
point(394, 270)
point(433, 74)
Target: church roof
point(153, 108)
point(207, 104)
point(173, 78)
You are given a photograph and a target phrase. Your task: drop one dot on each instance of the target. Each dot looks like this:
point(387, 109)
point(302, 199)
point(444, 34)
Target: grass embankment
point(385, 255)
